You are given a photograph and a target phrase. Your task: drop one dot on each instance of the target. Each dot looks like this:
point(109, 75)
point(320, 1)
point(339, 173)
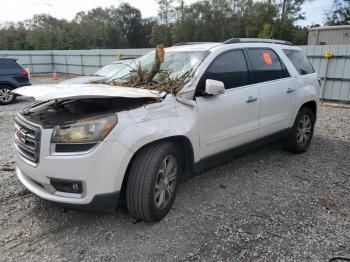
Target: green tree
point(205, 20)
point(130, 22)
point(300, 35)
point(289, 13)
point(165, 13)
point(266, 31)
point(157, 35)
point(339, 14)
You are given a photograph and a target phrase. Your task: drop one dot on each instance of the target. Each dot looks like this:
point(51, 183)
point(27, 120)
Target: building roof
point(330, 27)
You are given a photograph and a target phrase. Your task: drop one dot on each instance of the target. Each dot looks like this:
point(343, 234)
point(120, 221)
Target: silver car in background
point(102, 74)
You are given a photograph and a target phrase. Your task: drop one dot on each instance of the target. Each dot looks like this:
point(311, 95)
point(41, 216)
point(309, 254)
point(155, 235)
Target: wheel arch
point(9, 84)
point(312, 105)
point(182, 142)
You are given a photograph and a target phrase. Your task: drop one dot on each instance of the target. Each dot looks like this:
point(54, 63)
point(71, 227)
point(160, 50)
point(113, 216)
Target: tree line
point(206, 20)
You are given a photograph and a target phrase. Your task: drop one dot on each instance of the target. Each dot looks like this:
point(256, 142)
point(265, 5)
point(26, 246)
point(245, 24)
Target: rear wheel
point(302, 131)
point(6, 95)
point(153, 181)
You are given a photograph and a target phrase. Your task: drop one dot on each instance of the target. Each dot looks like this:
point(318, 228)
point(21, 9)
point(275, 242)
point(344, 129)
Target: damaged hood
point(77, 91)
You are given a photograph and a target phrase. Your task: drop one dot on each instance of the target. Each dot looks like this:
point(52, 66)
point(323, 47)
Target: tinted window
point(300, 61)
point(266, 65)
point(8, 63)
point(230, 68)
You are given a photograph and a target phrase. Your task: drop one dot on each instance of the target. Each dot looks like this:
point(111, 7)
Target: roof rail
point(257, 40)
point(8, 58)
point(190, 43)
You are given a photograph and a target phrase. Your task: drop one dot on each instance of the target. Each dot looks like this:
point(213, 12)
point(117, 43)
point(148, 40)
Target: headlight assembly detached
point(88, 130)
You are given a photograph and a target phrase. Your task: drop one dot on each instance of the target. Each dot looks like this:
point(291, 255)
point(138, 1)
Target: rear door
point(276, 90)
point(230, 119)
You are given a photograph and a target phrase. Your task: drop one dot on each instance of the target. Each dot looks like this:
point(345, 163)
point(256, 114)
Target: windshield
point(110, 70)
point(176, 64)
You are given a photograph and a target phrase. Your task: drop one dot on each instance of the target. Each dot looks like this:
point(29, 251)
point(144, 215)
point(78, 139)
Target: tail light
point(25, 73)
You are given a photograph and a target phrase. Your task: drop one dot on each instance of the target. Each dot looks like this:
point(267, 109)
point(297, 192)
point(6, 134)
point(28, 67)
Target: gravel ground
point(267, 205)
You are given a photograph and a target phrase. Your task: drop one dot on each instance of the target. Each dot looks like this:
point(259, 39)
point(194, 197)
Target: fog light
point(67, 186)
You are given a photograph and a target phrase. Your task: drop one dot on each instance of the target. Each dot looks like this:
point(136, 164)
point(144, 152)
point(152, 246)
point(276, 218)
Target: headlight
point(88, 130)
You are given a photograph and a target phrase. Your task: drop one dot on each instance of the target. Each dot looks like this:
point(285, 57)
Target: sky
point(18, 10)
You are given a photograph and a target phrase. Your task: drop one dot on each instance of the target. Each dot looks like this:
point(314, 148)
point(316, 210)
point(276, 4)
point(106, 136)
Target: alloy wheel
point(304, 130)
point(5, 95)
point(165, 182)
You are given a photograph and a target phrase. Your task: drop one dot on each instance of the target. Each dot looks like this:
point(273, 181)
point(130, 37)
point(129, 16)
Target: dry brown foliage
point(144, 79)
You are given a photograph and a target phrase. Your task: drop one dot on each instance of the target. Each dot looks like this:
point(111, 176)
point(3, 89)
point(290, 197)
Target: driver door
point(230, 119)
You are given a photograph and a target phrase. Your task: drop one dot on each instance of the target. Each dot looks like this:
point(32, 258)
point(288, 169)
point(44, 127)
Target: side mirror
point(214, 87)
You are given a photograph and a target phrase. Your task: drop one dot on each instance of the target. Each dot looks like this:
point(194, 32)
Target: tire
point(299, 138)
point(6, 97)
point(147, 184)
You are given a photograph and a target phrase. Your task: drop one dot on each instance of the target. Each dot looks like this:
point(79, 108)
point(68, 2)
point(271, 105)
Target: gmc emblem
point(21, 136)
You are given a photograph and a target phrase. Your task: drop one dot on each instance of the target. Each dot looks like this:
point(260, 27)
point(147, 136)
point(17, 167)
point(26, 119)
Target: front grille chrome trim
point(27, 139)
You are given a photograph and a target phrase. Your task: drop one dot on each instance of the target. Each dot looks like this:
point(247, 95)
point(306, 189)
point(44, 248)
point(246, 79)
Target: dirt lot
point(267, 205)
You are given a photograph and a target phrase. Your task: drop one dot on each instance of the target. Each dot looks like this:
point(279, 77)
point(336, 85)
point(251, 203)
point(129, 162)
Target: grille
point(27, 139)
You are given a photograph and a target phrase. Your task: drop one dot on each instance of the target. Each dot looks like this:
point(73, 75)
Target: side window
point(266, 65)
point(7, 63)
point(230, 68)
point(300, 61)
point(3, 64)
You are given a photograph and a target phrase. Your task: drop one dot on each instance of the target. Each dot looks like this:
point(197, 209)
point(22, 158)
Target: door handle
point(290, 90)
point(251, 99)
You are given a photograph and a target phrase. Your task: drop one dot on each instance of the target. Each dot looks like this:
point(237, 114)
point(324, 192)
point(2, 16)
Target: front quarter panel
point(154, 122)
point(139, 127)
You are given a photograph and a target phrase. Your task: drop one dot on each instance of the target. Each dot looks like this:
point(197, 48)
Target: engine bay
point(51, 113)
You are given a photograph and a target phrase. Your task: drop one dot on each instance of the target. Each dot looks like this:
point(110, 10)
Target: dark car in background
point(12, 75)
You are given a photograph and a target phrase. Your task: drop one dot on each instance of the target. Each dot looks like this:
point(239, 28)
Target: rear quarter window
point(300, 61)
point(266, 65)
point(8, 63)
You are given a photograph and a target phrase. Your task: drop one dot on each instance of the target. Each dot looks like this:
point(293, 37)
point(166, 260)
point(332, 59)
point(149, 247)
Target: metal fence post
point(65, 59)
point(31, 63)
point(53, 62)
point(325, 81)
point(82, 64)
point(328, 55)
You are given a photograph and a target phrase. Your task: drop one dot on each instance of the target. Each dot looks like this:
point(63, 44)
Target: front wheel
point(301, 134)
point(6, 96)
point(153, 181)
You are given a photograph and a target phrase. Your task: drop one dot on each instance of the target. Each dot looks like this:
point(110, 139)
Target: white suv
point(90, 145)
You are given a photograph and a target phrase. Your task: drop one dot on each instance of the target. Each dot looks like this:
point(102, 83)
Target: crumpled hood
point(79, 91)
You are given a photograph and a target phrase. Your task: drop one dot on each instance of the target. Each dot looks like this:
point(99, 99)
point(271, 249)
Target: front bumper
point(101, 172)
point(100, 202)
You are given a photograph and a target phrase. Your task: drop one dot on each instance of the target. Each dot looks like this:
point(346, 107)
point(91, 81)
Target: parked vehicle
point(12, 75)
point(88, 147)
point(100, 75)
